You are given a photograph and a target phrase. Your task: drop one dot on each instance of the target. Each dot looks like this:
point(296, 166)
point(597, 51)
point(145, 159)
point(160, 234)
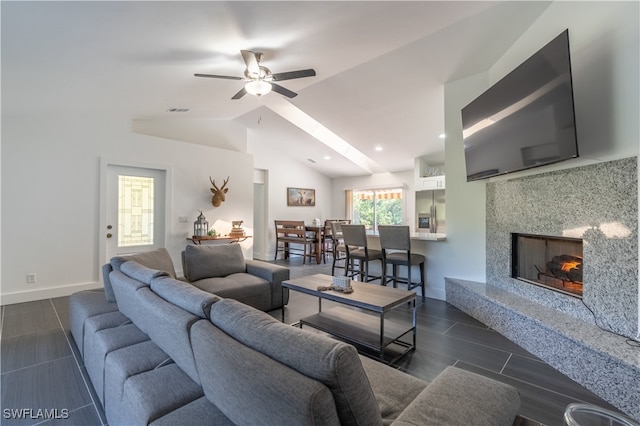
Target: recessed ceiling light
point(178, 110)
point(378, 148)
point(326, 157)
point(442, 135)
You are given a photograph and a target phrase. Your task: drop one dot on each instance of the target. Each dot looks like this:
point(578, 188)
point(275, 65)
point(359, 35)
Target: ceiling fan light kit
point(258, 87)
point(259, 78)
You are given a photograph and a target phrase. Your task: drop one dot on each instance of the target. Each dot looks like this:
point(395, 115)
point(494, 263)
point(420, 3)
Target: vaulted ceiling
point(381, 67)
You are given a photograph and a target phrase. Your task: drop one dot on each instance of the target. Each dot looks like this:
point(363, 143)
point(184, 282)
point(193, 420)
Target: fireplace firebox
point(552, 262)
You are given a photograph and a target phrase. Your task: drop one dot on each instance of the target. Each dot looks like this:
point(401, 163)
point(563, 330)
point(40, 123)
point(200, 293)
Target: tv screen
point(526, 119)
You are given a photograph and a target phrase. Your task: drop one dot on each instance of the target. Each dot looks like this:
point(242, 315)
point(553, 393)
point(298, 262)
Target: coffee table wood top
point(367, 296)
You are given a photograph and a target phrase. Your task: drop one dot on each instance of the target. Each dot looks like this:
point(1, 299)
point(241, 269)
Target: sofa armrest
point(275, 274)
point(460, 397)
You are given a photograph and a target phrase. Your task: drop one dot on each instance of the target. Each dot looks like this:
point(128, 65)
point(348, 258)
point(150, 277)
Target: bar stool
point(339, 250)
point(327, 240)
point(328, 237)
point(395, 242)
point(355, 241)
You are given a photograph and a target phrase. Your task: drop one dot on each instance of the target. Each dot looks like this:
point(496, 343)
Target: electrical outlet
point(31, 278)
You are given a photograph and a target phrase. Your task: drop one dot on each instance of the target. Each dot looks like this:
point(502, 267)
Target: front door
point(134, 210)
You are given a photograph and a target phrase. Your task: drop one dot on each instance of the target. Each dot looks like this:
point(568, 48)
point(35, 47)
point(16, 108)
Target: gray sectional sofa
point(168, 353)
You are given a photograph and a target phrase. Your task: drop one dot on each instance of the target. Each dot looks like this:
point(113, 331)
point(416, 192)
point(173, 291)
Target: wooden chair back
point(290, 229)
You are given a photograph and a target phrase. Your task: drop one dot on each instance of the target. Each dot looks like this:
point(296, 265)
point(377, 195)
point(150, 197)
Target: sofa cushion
point(125, 288)
point(140, 272)
point(84, 305)
point(156, 259)
point(200, 412)
point(168, 326)
point(385, 382)
point(150, 395)
point(108, 290)
point(246, 288)
point(212, 261)
point(460, 397)
point(251, 388)
point(127, 362)
point(333, 363)
point(184, 295)
point(104, 336)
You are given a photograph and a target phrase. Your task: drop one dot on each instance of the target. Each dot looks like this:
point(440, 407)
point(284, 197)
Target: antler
point(213, 182)
point(225, 183)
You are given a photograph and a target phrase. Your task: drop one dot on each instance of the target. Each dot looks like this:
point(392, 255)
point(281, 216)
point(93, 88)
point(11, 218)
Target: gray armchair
point(223, 271)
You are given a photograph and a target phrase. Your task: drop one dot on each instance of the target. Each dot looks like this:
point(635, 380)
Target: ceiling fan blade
point(286, 92)
point(240, 94)
point(293, 74)
point(252, 62)
point(228, 77)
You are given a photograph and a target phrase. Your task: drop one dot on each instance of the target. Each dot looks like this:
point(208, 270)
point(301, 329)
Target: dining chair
point(338, 248)
point(395, 242)
point(356, 247)
point(294, 232)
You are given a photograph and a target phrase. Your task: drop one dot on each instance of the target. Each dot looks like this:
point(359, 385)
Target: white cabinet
point(431, 182)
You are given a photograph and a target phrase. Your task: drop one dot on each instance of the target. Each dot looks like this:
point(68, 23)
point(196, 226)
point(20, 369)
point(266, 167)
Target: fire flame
point(568, 266)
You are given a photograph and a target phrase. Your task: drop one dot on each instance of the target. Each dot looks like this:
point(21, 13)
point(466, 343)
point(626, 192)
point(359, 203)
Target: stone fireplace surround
point(599, 204)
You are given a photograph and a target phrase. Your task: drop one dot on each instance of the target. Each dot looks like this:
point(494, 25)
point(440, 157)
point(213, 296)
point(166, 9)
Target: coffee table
point(361, 322)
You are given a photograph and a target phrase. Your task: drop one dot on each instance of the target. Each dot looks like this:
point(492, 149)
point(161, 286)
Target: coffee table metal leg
point(414, 323)
point(382, 336)
point(282, 292)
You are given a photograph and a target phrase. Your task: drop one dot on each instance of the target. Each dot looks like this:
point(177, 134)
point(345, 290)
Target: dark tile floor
point(43, 380)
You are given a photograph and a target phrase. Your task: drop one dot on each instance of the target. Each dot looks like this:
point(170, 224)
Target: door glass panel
point(135, 211)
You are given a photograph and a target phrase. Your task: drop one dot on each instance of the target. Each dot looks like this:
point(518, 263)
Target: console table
point(198, 240)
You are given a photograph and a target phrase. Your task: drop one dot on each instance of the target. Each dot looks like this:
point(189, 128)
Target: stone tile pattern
point(600, 361)
point(598, 203)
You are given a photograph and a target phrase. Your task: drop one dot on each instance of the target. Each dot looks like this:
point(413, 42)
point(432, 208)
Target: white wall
point(604, 40)
point(229, 135)
point(604, 44)
point(283, 172)
point(463, 254)
point(50, 196)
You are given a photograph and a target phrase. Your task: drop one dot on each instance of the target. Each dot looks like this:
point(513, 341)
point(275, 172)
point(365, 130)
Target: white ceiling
point(381, 66)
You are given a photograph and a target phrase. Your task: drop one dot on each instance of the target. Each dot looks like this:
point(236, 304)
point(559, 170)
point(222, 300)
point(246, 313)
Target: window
point(375, 207)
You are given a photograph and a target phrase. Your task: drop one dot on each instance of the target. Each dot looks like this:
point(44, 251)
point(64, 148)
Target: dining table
point(318, 231)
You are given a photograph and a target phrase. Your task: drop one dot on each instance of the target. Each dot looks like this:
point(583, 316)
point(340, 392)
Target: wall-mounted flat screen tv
point(526, 119)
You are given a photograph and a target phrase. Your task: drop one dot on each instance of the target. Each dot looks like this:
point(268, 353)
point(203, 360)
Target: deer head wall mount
point(218, 193)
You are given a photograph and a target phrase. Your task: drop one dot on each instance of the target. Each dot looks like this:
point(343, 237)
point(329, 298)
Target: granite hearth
point(603, 362)
point(599, 205)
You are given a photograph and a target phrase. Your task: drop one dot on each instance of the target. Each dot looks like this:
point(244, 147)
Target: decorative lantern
point(200, 226)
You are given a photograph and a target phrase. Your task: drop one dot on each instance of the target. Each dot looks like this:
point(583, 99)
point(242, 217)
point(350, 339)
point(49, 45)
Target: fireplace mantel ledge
point(599, 360)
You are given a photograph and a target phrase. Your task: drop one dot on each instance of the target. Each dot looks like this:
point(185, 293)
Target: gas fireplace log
point(566, 267)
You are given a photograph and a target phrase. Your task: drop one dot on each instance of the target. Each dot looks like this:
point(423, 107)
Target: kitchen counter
point(422, 236)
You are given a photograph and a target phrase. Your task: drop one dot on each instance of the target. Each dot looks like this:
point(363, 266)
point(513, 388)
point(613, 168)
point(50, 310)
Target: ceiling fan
point(260, 79)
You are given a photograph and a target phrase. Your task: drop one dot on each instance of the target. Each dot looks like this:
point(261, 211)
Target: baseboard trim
point(45, 293)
